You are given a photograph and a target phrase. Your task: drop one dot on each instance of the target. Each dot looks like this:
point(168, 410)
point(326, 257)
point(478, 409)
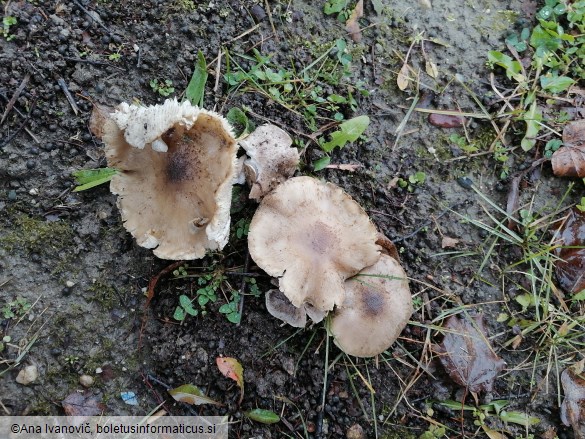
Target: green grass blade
point(196, 88)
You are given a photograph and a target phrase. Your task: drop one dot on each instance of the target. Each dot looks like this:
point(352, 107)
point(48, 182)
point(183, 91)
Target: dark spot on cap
point(373, 302)
point(178, 167)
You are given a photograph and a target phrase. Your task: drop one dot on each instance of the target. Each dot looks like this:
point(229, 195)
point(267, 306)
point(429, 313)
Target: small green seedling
point(185, 308)
point(462, 143)
point(349, 131)
point(7, 22)
point(416, 179)
point(163, 88)
point(242, 228)
point(15, 308)
point(89, 178)
point(552, 146)
point(581, 205)
point(230, 309)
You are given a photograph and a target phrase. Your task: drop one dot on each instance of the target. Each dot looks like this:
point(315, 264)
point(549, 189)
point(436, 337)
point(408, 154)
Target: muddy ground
point(68, 255)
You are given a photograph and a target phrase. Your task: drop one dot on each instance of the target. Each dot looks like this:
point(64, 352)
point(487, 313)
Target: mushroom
point(271, 159)
point(280, 307)
point(376, 309)
point(174, 196)
point(312, 236)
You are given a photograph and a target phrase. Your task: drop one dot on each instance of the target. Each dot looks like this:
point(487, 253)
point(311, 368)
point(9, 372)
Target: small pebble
point(98, 370)
point(258, 13)
point(69, 284)
point(86, 380)
point(30, 164)
point(12, 195)
point(27, 375)
point(33, 191)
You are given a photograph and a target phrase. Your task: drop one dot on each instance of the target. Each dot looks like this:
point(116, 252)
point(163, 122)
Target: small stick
point(19, 129)
point(80, 6)
point(15, 97)
point(243, 288)
point(267, 6)
point(63, 86)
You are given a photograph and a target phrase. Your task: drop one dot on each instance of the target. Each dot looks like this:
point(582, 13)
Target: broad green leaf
point(179, 314)
point(349, 131)
point(512, 67)
point(544, 39)
point(88, 178)
point(532, 118)
point(239, 121)
point(322, 163)
point(196, 88)
point(234, 317)
point(263, 416)
point(334, 6)
point(187, 305)
point(191, 394)
point(556, 84)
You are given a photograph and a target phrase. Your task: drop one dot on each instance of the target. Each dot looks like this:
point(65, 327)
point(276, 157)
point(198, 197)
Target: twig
point(19, 129)
point(70, 99)
point(267, 6)
point(15, 97)
point(92, 18)
point(243, 288)
point(319, 427)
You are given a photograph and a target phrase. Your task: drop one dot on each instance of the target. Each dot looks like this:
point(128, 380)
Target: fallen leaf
point(569, 160)
point(446, 120)
point(377, 4)
point(493, 434)
point(191, 394)
point(431, 69)
point(570, 267)
point(231, 368)
point(263, 416)
point(99, 116)
point(344, 167)
point(82, 404)
point(573, 406)
point(466, 354)
point(352, 26)
point(448, 242)
point(402, 80)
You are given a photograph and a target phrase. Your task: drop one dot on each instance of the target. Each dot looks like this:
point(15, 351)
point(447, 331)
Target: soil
point(68, 254)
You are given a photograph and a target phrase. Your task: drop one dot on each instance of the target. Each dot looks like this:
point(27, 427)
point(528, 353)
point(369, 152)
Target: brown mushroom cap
point(176, 202)
point(312, 236)
point(377, 307)
point(271, 159)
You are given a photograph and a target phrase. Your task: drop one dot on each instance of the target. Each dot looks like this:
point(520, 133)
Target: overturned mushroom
point(174, 195)
point(376, 309)
point(312, 236)
point(271, 159)
point(280, 307)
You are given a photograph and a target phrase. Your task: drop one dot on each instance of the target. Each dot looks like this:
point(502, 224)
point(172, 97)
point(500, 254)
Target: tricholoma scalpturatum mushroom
point(176, 166)
point(315, 239)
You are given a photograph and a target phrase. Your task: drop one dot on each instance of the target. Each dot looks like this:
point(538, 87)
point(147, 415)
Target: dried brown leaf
point(402, 80)
point(448, 242)
point(569, 161)
point(466, 354)
point(343, 167)
point(570, 268)
point(352, 26)
point(99, 116)
point(573, 406)
point(82, 404)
